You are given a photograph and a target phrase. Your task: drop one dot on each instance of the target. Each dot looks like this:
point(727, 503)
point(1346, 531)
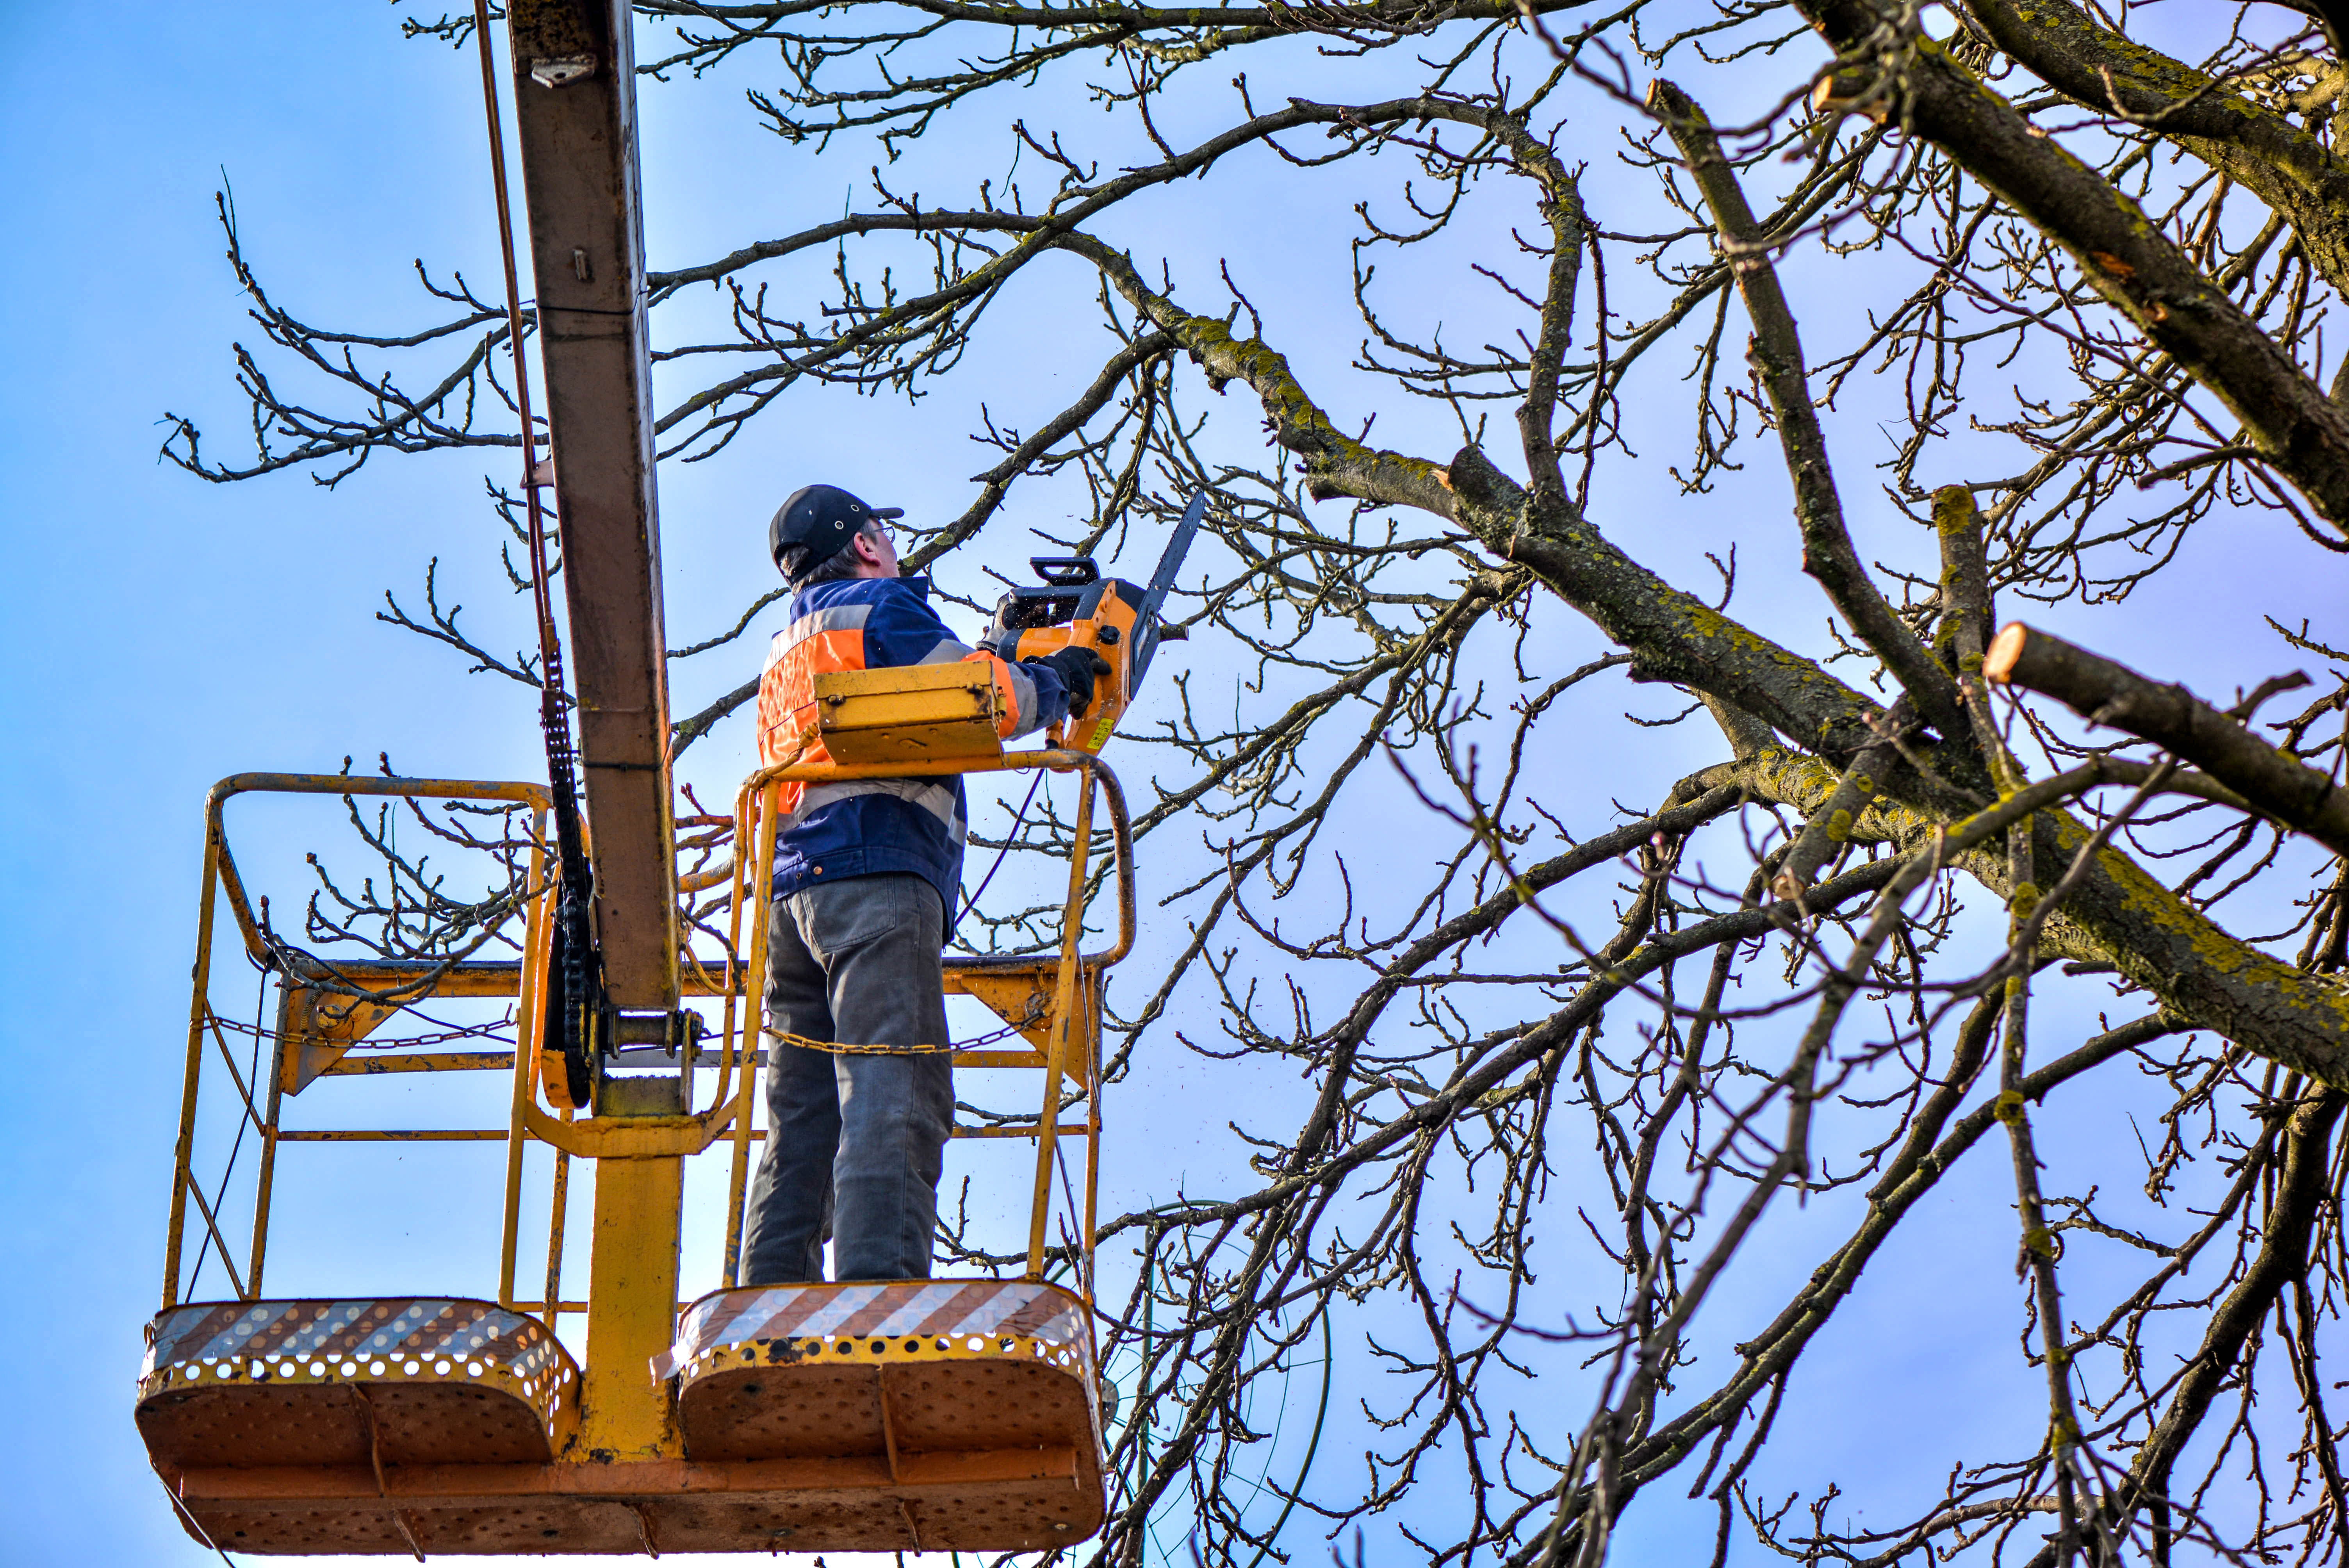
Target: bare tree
point(2089, 251)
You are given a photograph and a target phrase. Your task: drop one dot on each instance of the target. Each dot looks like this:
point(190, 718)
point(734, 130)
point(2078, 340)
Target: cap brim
point(888, 511)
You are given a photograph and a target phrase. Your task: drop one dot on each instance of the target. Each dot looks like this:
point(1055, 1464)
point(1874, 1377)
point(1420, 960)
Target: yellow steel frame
point(220, 879)
point(1071, 1047)
point(645, 1127)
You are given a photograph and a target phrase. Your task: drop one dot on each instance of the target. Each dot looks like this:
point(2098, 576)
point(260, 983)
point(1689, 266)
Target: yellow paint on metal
point(220, 879)
point(199, 1008)
point(266, 1184)
point(1059, 1045)
point(392, 1135)
point(756, 805)
point(631, 1290)
point(319, 1026)
point(551, 1306)
point(317, 1023)
point(644, 1129)
point(999, 1058)
point(422, 1062)
point(1020, 1130)
point(917, 713)
point(629, 1137)
point(538, 935)
point(1021, 997)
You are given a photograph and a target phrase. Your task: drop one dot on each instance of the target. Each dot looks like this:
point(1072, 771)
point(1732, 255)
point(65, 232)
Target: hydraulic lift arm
point(576, 109)
point(978, 1427)
point(575, 104)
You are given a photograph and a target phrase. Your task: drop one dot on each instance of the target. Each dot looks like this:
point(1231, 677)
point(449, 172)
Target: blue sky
point(163, 633)
point(166, 632)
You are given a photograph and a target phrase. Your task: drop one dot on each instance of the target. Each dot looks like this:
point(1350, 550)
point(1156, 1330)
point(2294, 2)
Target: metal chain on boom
point(574, 956)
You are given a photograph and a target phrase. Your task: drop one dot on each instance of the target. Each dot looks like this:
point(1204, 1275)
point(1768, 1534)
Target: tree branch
point(2175, 719)
point(1776, 351)
point(2276, 160)
point(1894, 73)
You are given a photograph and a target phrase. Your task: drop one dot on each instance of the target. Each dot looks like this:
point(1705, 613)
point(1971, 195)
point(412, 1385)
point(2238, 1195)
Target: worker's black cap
point(819, 520)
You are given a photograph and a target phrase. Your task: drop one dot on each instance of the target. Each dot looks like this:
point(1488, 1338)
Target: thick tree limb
point(1746, 734)
point(2280, 163)
point(1776, 351)
point(1899, 75)
point(2176, 720)
point(1828, 829)
point(1964, 630)
point(2116, 915)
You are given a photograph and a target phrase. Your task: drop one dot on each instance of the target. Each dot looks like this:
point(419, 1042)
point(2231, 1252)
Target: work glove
point(1077, 668)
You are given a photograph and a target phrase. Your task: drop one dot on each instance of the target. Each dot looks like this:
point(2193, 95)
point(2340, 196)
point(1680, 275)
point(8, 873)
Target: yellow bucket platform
point(813, 1417)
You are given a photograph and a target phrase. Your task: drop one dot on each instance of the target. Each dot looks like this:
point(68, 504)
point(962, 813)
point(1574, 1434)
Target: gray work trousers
point(855, 1141)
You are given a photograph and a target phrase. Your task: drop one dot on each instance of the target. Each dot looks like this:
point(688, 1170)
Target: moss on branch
point(1897, 75)
point(2280, 163)
point(2119, 914)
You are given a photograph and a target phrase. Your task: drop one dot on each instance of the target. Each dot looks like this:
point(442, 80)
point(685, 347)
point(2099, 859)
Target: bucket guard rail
point(974, 1415)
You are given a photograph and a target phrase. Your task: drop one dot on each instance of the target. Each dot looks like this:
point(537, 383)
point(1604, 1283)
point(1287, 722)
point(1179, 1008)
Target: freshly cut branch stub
point(2174, 718)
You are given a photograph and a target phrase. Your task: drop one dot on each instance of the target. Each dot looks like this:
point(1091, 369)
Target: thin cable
point(202, 1534)
point(972, 902)
point(574, 939)
point(540, 600)
point(253, 1079)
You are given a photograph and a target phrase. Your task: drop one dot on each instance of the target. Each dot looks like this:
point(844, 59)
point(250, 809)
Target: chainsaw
point(1077, 607)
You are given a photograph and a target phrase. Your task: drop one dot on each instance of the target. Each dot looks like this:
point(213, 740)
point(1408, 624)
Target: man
point(866, 874)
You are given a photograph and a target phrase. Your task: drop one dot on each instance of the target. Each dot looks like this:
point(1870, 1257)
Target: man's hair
point(841, 564)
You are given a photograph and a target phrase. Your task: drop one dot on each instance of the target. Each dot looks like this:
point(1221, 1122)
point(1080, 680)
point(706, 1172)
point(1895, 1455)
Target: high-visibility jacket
point(867, 826)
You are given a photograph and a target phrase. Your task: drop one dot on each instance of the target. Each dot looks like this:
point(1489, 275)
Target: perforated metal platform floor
point(959, 1414)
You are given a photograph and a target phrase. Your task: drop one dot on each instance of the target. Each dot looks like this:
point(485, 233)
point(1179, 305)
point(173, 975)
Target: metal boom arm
point(575, 105)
